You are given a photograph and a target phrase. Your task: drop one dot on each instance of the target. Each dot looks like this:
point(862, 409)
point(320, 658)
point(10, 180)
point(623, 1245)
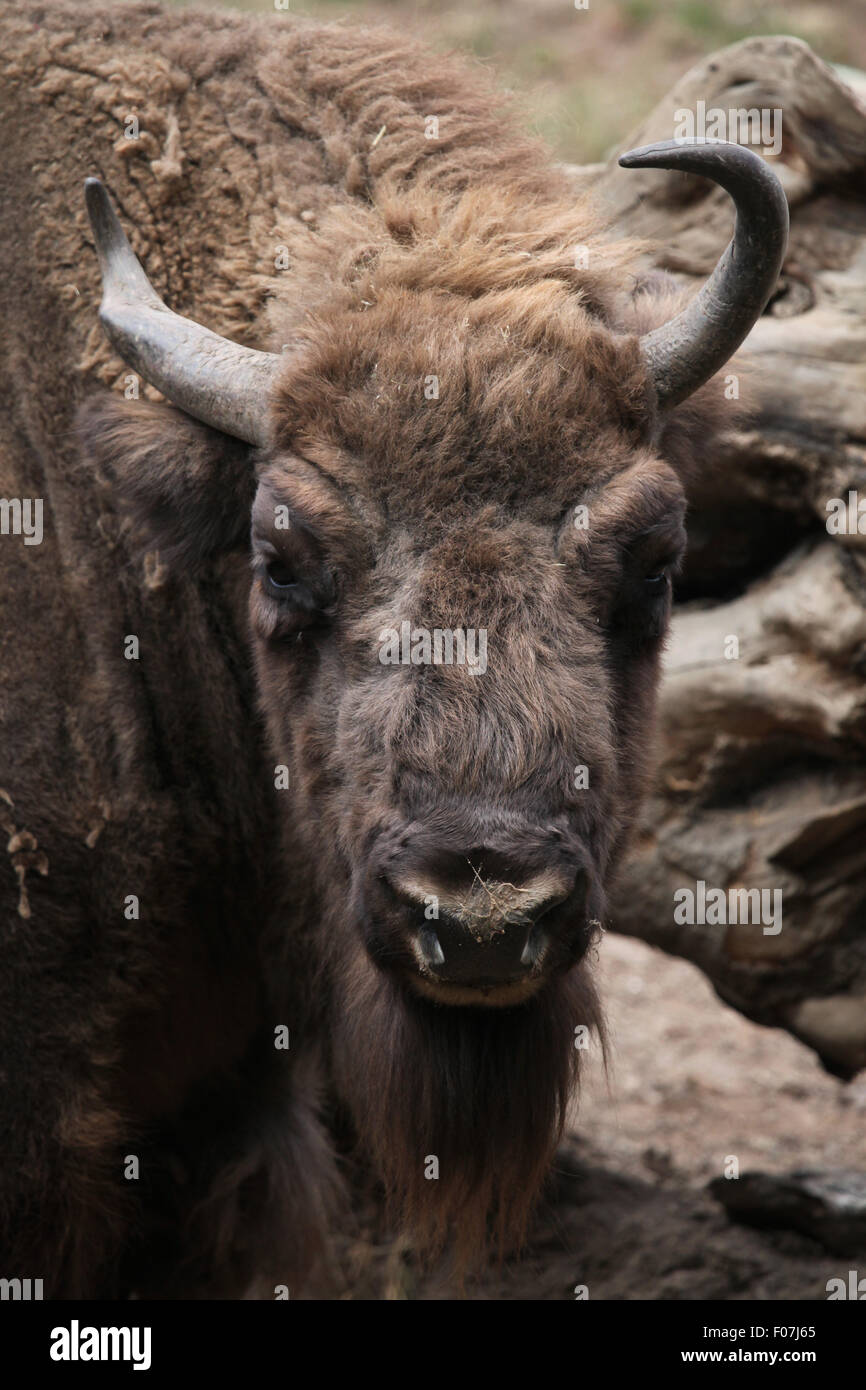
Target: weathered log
point(762, 756)
point(829, 1207)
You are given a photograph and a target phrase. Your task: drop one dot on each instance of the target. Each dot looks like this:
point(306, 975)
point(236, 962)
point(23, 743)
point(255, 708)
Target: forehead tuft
point(431, 396)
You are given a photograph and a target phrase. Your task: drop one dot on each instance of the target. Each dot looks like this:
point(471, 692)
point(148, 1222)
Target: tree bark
point(761, 779)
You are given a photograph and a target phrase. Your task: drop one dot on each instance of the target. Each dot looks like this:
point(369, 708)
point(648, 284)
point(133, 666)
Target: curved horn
point(217, 381)
point(684, 353)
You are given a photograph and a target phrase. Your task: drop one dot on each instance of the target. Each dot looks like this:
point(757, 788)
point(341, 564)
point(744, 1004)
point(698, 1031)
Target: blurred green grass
point(586, 77)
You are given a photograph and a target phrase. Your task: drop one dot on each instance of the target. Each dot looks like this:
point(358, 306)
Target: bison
point(292, 873)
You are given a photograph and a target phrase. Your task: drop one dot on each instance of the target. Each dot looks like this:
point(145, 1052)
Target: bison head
point(464, 529)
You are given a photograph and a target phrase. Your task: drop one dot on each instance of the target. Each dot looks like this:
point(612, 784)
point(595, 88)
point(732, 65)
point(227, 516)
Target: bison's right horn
point(687, 351)
point(217, 381)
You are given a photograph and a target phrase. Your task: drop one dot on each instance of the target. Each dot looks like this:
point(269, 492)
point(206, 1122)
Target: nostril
point(533, 951)
point(480, 927)
point(431, 948)
point(465, 949)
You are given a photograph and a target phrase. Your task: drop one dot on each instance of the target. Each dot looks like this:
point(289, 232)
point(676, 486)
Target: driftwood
point(762, 767)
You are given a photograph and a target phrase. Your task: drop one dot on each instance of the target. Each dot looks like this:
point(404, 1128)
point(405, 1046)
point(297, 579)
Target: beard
point(460, 1109)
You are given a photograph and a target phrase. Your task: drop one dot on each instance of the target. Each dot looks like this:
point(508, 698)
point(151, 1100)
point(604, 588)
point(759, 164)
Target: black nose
point(479, 953)
point(489, 930)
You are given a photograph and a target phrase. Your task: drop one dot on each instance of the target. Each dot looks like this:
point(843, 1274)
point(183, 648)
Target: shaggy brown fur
point(408, 258)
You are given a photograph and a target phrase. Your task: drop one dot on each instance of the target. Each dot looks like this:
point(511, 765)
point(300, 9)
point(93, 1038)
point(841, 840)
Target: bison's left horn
point(684, 353)
point(219, 382)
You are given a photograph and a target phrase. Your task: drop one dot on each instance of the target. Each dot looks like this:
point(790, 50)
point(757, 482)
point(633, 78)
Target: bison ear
point(187, 489)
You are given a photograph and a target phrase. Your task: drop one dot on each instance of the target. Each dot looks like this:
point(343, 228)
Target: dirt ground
point(690, 1083)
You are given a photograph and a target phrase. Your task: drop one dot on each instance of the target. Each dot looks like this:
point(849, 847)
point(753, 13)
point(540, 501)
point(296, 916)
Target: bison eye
point(279, 576)
point(656, 584)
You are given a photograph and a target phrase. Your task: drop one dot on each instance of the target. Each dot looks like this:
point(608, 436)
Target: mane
point(483, 242)
point(479, 210)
